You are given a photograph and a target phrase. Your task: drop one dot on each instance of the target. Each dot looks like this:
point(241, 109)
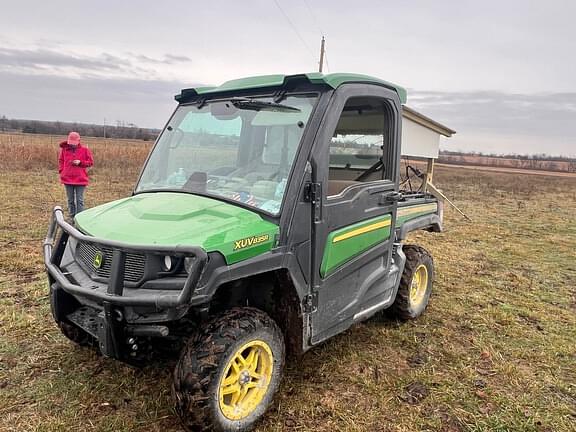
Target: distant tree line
point(539, 161)
point(119, 130)
point(536, 156)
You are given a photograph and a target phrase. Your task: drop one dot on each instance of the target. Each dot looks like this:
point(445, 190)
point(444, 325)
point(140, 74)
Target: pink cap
point(73, 138)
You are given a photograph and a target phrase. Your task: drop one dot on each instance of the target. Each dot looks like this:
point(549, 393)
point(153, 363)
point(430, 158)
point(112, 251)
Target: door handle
point(390, 198)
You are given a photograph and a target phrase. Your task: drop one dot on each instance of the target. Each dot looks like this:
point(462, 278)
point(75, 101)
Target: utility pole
point(104, 127)
point(321, 55)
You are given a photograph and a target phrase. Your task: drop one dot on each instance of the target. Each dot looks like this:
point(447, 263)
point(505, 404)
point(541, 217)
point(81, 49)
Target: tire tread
point(201, 360)
point(415, 255)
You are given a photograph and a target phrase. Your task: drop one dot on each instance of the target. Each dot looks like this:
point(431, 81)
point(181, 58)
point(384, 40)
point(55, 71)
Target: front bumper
point(106, 321)
point(115, 291)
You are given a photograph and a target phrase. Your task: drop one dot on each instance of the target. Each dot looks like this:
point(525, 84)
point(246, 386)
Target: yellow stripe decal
point(418, 209)
point(363, 230)
point(384, 223)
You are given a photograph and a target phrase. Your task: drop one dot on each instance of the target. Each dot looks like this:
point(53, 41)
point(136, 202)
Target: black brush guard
point(112, 299)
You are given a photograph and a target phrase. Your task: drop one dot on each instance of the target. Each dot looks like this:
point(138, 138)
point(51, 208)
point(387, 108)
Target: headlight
point(188, 263)
point(168, 263)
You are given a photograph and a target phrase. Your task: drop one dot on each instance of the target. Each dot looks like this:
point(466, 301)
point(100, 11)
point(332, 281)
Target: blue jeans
point(75, 194)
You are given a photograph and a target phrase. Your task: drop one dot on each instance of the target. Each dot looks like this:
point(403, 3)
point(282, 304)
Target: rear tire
point(415, 285)
point(229, 372)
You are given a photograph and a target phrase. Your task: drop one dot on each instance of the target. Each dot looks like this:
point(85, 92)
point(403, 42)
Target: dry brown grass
point(494, 352)
point(33, 152)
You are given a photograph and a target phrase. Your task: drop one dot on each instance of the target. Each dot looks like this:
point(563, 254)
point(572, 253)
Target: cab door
point(355, 162)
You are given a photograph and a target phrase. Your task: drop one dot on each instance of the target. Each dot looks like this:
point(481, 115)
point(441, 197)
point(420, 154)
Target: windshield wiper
point(257, 105)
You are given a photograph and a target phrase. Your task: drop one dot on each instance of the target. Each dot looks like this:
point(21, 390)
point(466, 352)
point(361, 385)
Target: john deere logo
point(98, 258)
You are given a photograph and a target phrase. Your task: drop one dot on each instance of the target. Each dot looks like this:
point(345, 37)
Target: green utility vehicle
point(268, 218)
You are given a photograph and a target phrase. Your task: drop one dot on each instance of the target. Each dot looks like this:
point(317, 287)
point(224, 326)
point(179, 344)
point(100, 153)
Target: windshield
point(240, 149)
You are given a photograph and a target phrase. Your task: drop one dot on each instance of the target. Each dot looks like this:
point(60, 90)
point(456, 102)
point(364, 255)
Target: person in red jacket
point(73, 160)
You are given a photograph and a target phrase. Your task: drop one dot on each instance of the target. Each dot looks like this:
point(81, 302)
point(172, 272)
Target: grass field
point(496, 350)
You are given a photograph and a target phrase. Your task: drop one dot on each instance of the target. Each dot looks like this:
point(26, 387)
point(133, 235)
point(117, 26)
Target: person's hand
point(76, 162)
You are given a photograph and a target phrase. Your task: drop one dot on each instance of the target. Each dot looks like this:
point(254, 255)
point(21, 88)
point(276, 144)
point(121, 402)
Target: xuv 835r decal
point(250, 241)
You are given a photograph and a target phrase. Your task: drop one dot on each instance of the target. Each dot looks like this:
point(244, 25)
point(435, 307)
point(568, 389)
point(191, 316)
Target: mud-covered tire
point(76, 334)
point(206, 359)
point(419, 262)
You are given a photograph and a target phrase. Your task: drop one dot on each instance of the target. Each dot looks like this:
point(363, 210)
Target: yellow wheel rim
point(245, 380)
point(419, 285)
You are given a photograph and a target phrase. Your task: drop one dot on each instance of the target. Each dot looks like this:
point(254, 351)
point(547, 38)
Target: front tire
point(71, 331)
point(229, 372)
point(416, 283)
point(76, 334)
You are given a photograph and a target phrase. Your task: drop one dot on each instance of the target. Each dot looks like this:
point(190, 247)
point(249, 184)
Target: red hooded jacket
point(74, 174)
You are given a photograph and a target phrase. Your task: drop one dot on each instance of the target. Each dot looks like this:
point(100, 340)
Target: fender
point(430, 222)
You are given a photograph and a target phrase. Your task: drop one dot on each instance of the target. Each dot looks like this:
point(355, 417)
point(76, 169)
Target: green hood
point(170, 218)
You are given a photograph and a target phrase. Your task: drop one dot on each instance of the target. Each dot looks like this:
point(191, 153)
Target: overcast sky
point(502, 73)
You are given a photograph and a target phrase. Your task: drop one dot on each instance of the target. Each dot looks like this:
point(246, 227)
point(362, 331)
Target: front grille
point(133, 271)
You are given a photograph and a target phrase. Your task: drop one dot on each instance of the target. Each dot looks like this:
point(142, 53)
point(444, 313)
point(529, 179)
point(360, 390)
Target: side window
point(359, 143)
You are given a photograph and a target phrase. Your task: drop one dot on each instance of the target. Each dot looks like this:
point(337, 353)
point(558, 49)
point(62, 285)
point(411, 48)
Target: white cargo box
point(421, 135)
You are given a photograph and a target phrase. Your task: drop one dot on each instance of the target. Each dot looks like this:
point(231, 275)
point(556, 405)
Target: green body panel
point(344, 249)
point(413, 211)
point(245, 83)
point(362, 236)
point(402, 219)
point(171, 218)
point(333, 80)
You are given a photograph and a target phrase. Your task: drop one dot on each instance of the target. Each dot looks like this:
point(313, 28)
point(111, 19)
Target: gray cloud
point(177, 58)
point(546, 117)
point(147, 103)
point(168, 59)
point(502, 122)
point(57, 59)
point(44, 58)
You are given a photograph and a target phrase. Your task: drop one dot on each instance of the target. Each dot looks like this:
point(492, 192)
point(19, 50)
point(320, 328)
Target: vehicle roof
point(333, 80)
